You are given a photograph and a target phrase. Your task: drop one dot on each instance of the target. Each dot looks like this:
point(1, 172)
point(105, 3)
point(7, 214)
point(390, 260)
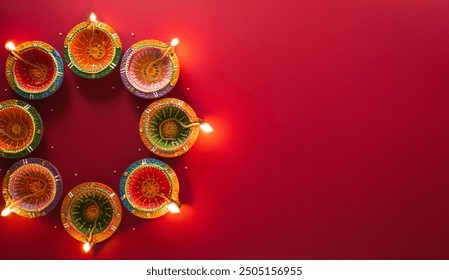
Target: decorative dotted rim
point(126, 197)
point(146, 126)
point(58, 76)
point(52, 201)
point(100, 72)
point(38, 128)
point(124, 66)
point(96, 191)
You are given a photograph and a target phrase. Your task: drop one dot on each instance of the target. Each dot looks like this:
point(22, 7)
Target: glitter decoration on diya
point(31, 188)
point(21, 128)
point(150, 68)
point(149, 188)
point(92, 49)
point(34, 69)
point(91, 213)
point(169, 127)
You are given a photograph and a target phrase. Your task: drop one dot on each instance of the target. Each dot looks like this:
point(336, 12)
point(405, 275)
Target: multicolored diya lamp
point(169, 127)
point(34, 69)
point(91, 213)
point(149, 188)
point(150, 68)
point(31, 188)
point(21, 128)
point(92, 49)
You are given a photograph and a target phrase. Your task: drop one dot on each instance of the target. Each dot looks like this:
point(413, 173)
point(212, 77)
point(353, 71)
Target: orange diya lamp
point(21, 128)
point(92, 49)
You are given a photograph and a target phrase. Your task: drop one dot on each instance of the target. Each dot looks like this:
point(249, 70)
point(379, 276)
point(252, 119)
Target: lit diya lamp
point(149, 188)
point(21, 129)
point(32, 188)
point(91, 213)
point(169, 127)
point(92, 49)
point(150, 68)
point(34, 69)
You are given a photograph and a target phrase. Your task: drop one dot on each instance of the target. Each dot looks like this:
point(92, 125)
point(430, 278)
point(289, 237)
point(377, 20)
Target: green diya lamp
point(91, 213)
point(169, 127)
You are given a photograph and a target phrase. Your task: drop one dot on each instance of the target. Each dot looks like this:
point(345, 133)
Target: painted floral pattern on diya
point(91, 212)
point(21, 128)
point(39, 74)
point(32, 187)
point(92, 50)
point(146, 73)
point(147, 187)
point(168, 127)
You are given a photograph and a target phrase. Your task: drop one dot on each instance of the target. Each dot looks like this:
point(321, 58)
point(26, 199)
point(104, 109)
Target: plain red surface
point(331, 129)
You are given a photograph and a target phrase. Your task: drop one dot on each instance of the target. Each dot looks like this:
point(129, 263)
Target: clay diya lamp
point(169, 127)
point(150, 68)
point(149, 188)
point(32, 188)
point(34, 69)
point(21, 129)
point(92, 49)
point(91, 213)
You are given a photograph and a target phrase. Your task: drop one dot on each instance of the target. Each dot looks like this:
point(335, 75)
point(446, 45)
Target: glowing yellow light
point(86, 247)
point(174, 42)
point(93, 17)
point(10, 46)
point(174, 208)
point(6, 212)
point(206, 127)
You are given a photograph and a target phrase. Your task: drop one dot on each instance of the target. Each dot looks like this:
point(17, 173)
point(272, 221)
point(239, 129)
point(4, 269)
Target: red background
point(331, 129)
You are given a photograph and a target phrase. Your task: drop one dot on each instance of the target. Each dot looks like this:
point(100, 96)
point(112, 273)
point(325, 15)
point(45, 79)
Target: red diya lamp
point(21, 128)
point(92, 49)
point(34, 69)
point(149, 188)
point(150, 68)
point(91, 213)
point(169, 127)
point(32, 188)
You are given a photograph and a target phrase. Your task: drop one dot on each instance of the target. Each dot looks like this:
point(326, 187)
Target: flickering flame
point(10, 46)
point(6, 212)
point(86, 247)
point(174, 208)
point(93, 17)
point(206, 127)
point(174, 42)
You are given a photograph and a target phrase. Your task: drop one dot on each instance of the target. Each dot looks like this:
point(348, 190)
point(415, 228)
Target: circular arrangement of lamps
point(149, 188)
